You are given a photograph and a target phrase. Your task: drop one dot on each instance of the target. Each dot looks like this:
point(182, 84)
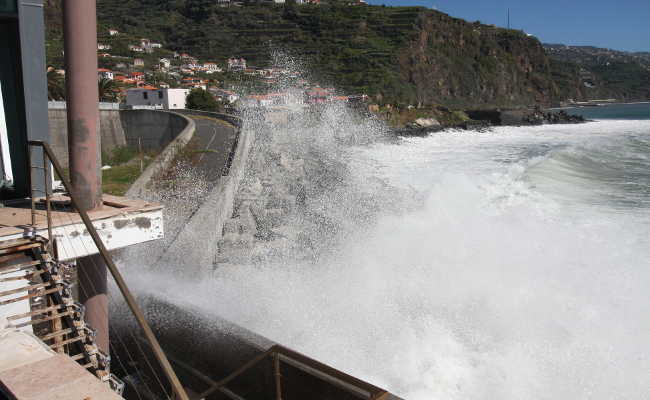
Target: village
point(152, 77)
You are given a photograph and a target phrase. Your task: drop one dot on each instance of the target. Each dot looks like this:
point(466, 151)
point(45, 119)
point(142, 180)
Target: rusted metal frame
point(33, 313)
point(29, 296)
point(350, 382)
point(230, 394)
point(236, 373)
point(46, 319)
point(56, 295)
point(69, 341)
point(119, 280)
point(18, 249)
point(56, 334)
point(24, 289)
point(27, 276)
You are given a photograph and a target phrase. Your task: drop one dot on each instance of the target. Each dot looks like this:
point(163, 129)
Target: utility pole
point(508, 18)
point(80, 44)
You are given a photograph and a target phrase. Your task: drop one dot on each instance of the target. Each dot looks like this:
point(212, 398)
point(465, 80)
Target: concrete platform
point(31, 371)
point(121, 222)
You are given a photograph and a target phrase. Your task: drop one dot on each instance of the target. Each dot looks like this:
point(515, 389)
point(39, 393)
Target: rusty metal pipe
point(80, 44)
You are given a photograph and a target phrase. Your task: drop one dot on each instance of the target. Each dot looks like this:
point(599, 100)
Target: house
point(165, 63)
point(104, 55)
point(224, 95)
point(102, 46)
point(124, 80)
point(317, 95)
point(258, 100)
point(113, 32)
point(137, 76)
point(138, 62)
point(103, 73)
point(156, 45)
point(168, 99)
point(211, 67)
point(144, 43)
point(136, 49)
point(236, 64)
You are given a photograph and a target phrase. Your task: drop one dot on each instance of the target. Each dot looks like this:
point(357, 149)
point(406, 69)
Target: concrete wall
point(205, 228)
point(110, 127)
point(155, 130)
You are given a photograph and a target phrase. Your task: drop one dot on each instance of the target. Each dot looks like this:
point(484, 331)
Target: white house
point(165, 63)
point(103, 73)
point(168, 99)
point(225, 95)
point(113, 32)
point(102, 46)
point(210, 66)
point(138, 62)
point(156, 45)
point(136, 49)
point(236, 64)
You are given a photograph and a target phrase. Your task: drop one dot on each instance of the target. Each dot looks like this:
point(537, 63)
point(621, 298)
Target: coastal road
point(211, 145)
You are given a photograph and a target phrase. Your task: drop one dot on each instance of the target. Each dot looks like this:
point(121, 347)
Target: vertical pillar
point(80, 44)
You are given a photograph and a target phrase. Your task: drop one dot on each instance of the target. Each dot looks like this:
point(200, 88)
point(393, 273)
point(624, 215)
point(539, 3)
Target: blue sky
point(618, 24)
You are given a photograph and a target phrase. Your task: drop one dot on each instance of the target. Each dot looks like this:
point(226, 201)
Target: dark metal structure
point(24, 88)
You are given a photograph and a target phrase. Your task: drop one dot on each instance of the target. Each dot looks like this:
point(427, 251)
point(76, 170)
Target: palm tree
point(55, 85)
point(108, 90)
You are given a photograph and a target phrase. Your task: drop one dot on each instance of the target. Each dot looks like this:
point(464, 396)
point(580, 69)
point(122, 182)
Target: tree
point(108, 90)
point(199, 99)
point(55, 85)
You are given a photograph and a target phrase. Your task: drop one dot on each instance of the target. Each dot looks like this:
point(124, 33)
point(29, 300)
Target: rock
point(426, 122)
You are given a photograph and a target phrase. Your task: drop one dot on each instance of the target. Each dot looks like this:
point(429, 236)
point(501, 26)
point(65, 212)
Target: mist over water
point(510, 264)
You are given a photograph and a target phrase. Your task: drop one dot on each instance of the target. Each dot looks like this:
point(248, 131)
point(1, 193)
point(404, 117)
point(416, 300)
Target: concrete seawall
point(204, 229)
point(158, 136)
point(154, 129)
point(110, 128)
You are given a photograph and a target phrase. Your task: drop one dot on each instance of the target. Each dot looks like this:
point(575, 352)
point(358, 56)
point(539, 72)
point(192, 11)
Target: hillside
point(398, 55)
point(603, 73)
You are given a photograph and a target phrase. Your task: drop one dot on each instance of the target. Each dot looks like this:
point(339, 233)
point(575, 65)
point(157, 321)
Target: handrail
point(119, 280)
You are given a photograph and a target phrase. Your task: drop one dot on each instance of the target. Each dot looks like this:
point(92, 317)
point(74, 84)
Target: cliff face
point(451, 61)
point(398, 55)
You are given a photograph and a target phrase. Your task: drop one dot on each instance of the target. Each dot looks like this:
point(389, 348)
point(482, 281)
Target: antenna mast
point(508, 18)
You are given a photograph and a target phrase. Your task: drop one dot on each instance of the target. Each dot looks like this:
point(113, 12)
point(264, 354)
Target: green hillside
point(398, 55)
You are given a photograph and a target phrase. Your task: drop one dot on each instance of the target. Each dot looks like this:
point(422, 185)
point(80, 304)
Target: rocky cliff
point(398, 55)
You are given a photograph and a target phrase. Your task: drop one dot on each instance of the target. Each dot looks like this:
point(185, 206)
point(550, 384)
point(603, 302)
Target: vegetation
point(109, 90)
point(397, 55)
point(55, 85)
point(199, 99)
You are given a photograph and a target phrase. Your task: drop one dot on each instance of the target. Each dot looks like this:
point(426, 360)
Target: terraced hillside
point(398, 55)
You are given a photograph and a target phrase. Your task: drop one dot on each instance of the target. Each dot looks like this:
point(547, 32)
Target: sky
point(617, 24)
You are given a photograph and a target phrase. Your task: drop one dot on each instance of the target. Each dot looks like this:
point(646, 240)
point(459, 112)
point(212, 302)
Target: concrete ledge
point(204, 229)
point(163, 161)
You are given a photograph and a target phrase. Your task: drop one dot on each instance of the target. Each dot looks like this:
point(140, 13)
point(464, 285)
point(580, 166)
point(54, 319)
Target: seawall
point(204, 229)
point(153, 129)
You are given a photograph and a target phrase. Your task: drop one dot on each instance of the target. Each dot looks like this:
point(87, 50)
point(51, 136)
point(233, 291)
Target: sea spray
point(459, 266)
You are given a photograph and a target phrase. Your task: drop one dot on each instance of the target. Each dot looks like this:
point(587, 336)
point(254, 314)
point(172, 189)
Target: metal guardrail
point(48, 154)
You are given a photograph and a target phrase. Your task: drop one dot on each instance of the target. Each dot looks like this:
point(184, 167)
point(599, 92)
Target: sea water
point(507, 264)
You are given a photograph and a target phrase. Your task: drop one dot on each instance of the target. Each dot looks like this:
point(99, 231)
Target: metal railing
point(48, 155)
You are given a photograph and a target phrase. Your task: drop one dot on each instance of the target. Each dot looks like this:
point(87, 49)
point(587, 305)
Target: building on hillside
point(102, 46)
point(113, 32)
point(258, 100)
point(138, 62)
point(103, 73)
point(317, 95)
point(155, 45)
point(137, 76)
point(104, 55)
point(165, 63)
point(223, 95)
point(212, 67)
point(136, 49)
point(167, 99)
point(236, 64)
